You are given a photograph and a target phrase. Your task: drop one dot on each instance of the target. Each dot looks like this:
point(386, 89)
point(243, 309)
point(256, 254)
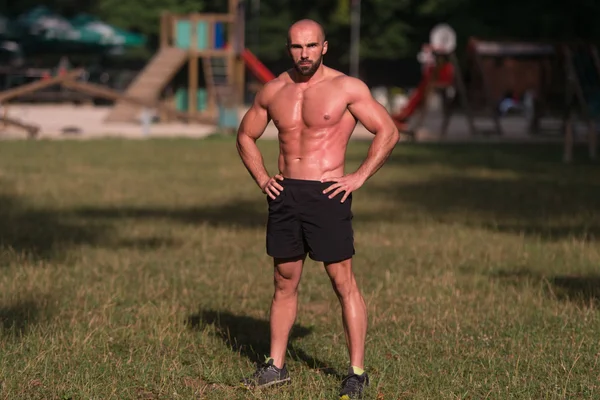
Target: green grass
point(137, 270)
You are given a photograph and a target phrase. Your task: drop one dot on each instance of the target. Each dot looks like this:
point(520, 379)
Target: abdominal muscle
point(313, 154)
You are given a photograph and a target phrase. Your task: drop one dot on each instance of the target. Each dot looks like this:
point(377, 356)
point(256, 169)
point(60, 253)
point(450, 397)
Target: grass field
point(137, 270)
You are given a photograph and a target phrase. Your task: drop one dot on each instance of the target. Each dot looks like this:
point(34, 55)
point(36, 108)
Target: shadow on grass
point(242, 213)
point(33, 233)
point(17, 318)
point(582, 290)
point(520, 157)
point(539, 206)
point(41, 234)
point(250, 337)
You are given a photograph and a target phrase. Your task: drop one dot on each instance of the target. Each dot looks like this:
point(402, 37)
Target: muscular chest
point(313, 107)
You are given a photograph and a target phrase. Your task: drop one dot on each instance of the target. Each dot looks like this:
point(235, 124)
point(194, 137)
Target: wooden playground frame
point(203, 28)
point(7, 95)
point(228, 94)
point(559, 91)
point(68, 80)
point(504, 58)
point(577, 103)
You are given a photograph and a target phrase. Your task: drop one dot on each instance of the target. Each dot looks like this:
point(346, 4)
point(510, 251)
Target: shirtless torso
point(314, 124)
point(315, 120)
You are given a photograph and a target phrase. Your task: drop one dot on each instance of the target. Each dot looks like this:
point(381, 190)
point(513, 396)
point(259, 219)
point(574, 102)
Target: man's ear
point(325, 45)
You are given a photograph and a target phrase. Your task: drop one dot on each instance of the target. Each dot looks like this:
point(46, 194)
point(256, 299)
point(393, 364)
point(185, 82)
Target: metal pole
point(354, 37)
point(256, 23)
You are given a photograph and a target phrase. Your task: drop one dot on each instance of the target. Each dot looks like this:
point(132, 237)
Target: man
point(315, 109)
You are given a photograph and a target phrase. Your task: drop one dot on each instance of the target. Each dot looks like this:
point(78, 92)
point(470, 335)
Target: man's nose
point(304, 53)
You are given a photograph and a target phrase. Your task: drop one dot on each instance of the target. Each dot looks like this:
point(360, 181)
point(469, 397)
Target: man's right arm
point(251, 128)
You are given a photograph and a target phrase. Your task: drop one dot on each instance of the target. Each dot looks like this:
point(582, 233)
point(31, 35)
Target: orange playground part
point(432, 76)
point(258, 69)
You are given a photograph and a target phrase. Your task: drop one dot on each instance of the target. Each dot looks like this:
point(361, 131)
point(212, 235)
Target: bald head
point(304, 28)
point(306, 46)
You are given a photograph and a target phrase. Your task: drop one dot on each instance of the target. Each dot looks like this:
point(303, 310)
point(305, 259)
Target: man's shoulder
point(275, 83)
point(270, 88)
point(349, 82)
point(353, 87)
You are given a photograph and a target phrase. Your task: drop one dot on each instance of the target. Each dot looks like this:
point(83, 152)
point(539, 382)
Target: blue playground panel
point(201, 35)
point(181, 99)
point(228, 117)
point(183, 34)
point(219, 35)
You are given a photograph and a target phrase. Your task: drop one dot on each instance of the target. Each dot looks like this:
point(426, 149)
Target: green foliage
point(341, 16)
point(272, 31)
point(390, 29)
point(143, 15)
point(384, 32)
point(525, 20)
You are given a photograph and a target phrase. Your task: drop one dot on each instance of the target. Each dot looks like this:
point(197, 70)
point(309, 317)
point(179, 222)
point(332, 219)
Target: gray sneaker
point(353, 385)
point(267, 375)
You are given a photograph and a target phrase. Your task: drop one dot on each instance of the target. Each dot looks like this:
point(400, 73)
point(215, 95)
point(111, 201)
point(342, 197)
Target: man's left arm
point(375, 118)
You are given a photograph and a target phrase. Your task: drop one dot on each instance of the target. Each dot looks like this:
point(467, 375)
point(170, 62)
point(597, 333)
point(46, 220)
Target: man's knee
point(342, 277)
point(285, 287)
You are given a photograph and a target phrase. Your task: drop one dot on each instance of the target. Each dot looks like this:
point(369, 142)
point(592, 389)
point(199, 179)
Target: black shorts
point(302, 219)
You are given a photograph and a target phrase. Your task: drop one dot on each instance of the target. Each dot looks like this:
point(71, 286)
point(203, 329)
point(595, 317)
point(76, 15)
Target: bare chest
point(295, 108)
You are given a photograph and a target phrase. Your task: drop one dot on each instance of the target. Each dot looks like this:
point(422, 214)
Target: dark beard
point(308, 70)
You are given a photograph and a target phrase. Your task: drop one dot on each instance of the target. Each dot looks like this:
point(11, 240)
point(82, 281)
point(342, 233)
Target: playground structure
point(212, 45)
point(7, 95)
point(441, 73)
point(534, 81)
point(193, 39)
point(5, 121)
point(70, 80)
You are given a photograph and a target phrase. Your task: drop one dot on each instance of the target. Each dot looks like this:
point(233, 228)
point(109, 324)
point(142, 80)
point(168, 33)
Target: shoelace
point(264, 368)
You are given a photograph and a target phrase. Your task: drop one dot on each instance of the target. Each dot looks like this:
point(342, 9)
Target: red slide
point(413, 102)
point(260, 71)
point(445, 77)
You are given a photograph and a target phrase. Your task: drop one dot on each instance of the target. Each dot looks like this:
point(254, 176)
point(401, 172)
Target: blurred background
point(123, 46)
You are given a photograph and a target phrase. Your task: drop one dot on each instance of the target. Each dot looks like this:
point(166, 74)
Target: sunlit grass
point(137, 270)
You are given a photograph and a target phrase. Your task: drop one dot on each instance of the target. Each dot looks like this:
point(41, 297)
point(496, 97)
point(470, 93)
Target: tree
point(390, 29)
point(143, 15)
point(384, 33)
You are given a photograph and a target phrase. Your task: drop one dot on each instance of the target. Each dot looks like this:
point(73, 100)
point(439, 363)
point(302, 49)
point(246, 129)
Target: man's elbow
point(241, 136)
point(243, 140)
point(239, 141)
point(395, 135)
point(392, 136)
